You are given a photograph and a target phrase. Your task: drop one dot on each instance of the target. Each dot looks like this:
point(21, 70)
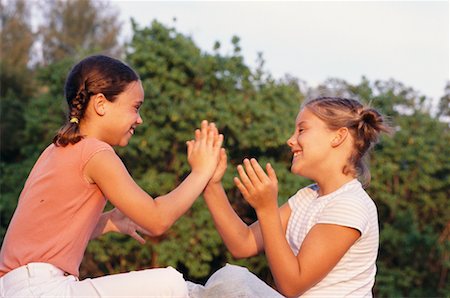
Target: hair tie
point(74, 120)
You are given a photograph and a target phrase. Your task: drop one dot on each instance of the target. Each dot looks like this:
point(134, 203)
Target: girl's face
point(123, 114)
point(310, 145)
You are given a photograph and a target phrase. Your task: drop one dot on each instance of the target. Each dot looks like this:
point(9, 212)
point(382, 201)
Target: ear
point(339, 136)
point(99, 102)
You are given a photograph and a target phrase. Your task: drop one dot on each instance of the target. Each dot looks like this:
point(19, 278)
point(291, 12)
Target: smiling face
point(310, 145)
point(123, 115)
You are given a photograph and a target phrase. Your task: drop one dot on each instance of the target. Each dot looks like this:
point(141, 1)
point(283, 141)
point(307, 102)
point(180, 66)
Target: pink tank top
point(57, 210)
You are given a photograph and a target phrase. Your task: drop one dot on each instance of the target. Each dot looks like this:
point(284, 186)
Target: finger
point(218, 141)
point(138, 237)
point(241, 187)
point(222, 158)
point(197, 134)
point(204, 130)
point(212, 127)
point(258, 170)
point(223, 154)
point(250, 172)
point(244, 178)
point(271, 173)
point(211, 137)
point(142, 230)
point(190, 146)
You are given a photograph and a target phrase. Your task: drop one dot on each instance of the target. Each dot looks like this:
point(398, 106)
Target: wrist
point(213, 187)
point(202, 175)
point(267, 211)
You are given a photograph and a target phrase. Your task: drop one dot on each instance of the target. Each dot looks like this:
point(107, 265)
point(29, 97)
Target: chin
point(295, 169)
point(123, 143)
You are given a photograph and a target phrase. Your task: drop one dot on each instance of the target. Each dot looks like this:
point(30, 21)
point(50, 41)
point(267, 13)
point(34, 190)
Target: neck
point(331, 183)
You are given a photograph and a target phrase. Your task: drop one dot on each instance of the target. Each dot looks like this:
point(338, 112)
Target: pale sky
point(316, 40)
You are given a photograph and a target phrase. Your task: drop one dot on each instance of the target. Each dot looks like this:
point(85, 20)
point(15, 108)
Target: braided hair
point(93, 75)
point(364, 124)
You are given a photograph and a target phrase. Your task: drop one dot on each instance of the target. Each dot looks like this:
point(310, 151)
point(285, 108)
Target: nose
point(291, 141)
point(139, 119)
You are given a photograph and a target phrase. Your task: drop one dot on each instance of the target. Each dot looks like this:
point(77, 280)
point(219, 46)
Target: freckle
point(42, 201)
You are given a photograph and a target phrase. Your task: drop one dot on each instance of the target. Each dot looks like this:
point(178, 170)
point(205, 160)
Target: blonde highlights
point(365, 124)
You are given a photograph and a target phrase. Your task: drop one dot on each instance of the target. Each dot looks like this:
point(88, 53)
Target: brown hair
point(364, 124)
point(92, 75)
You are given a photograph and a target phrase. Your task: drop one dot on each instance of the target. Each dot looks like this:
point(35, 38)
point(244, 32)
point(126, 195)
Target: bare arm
point(116, 221)
point(156, 216)
point(241, 240)
point(293, 274)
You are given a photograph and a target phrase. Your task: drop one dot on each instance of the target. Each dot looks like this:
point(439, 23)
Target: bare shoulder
point(102, 164)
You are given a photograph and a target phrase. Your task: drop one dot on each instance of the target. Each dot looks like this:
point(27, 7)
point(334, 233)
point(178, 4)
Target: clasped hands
point(206, 155)
point(259, 189)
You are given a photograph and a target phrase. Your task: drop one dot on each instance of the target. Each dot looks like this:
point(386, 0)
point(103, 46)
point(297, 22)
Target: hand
point(220, 169)
point(259, 190)
point(120, 223)
point(203, 152)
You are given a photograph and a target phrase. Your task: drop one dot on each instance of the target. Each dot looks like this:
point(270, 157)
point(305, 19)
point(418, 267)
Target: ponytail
point(92, 75)
point(364, 124)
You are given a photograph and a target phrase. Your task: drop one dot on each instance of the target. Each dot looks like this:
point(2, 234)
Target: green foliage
point(183, 85)
point(16, 85)
point(77, 28)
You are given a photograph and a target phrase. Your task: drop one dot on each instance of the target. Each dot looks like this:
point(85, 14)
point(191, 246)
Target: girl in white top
point(324, 240)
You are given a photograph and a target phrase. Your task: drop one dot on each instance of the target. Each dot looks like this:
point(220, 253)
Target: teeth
point(297, 153)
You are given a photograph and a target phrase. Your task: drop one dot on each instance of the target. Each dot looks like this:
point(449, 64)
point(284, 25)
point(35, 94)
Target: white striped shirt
point(350, 206)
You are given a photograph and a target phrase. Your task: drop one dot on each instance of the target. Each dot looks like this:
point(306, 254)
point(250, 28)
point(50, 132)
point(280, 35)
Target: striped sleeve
point(346, 211)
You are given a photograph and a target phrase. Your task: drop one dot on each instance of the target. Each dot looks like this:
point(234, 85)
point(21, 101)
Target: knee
point(229, 273)
point(178, 284)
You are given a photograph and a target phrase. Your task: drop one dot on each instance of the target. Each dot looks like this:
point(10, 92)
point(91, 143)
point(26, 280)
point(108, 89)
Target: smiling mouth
point(297, 153)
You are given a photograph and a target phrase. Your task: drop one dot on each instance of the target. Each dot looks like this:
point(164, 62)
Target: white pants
point(45, 280)
point(233, 281)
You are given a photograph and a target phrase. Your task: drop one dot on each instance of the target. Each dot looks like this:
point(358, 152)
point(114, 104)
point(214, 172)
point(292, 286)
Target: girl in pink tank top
point(61, 206)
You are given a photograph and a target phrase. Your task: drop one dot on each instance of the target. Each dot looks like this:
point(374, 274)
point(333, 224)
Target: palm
point(221, 167)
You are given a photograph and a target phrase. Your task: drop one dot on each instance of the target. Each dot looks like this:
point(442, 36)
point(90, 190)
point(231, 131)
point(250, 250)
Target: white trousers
point(46, 280)
point(233, 281)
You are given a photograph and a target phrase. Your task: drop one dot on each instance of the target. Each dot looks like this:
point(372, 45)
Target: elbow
point(237, 255)
point(158, 228)
point(158, 231)
point(240, 253)
point(288, 288)
point(290, 292)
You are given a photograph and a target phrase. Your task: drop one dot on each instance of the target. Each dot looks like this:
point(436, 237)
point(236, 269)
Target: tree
point(410, 185)
point(444, 103)
point(184, 86)
point(16, 87)
point(32, 96)
point(78, 28)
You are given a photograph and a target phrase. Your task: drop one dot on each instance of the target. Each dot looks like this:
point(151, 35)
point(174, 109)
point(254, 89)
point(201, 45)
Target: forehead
point(306, 116)
point(134, 92)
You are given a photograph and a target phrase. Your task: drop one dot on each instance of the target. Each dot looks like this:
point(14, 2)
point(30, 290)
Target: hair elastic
point(74, 120)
